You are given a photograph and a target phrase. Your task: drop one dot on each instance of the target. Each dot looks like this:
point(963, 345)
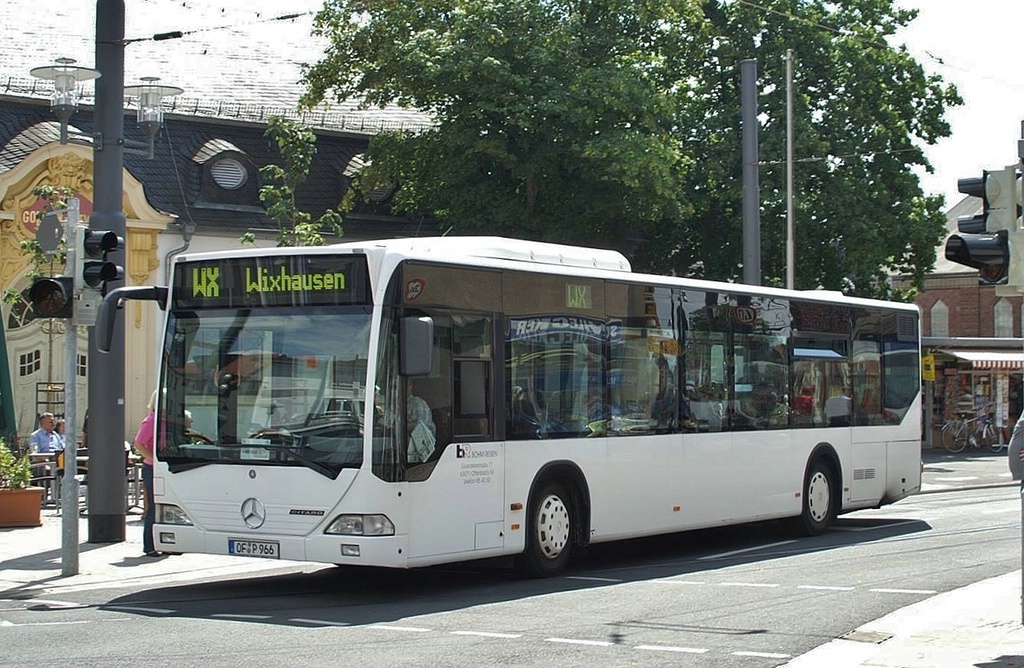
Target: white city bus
point(562, 401)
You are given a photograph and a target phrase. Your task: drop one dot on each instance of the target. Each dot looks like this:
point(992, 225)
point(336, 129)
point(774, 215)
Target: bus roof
point(544, 256)
point(502, 248)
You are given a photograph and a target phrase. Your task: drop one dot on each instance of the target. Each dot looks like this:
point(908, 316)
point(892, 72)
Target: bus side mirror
point(107, 310)
point(416, 336)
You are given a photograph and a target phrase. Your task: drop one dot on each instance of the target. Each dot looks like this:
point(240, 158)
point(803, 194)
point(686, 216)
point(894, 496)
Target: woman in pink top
point(143, 445)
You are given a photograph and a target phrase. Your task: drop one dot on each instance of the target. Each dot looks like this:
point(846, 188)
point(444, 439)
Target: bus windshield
point(281, 386)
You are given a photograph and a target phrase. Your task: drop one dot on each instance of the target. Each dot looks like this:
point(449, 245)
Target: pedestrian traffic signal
point(983, 239)
point(52, 297)
point(97, 269)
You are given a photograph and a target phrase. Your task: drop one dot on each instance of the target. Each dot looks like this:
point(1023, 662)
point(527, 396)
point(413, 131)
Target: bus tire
point(820, 500)
point(549, 525)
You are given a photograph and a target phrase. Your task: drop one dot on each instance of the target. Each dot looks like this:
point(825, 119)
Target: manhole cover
point(870, 637)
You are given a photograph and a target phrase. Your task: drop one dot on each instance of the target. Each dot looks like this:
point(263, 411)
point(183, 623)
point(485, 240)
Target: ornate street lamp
point(65, 76)
point(150, 114)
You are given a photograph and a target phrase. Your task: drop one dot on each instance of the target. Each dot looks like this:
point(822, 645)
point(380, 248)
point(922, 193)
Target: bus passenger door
point(456, 497)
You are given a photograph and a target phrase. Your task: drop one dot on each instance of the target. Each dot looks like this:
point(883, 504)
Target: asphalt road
point(748, 596)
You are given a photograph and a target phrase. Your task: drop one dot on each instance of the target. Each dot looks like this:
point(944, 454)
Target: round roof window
point(229, 174)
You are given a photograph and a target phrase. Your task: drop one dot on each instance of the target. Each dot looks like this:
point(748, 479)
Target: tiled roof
point(234, 59)
point(238, 63)
point(177, 180)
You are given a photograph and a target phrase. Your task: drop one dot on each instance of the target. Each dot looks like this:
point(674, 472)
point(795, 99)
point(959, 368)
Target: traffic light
point(52, 297)
point(983, 240)
point(97, 269)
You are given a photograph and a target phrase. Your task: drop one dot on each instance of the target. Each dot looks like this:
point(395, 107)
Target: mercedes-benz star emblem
point(254, 513)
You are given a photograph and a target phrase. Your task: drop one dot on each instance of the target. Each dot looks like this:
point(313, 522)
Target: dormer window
point(229, 178)
point(229, 173)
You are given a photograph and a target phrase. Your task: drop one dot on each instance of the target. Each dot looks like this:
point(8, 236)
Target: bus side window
point(472, 398)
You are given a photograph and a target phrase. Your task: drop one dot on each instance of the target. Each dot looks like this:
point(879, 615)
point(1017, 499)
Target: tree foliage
point(617, 123)
point(297, 145)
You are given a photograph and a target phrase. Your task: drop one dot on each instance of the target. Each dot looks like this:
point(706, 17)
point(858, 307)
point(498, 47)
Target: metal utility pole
point(751, 186)
point(69, 483)
point(1020, 290)
point(106, 372)
point(790, 231)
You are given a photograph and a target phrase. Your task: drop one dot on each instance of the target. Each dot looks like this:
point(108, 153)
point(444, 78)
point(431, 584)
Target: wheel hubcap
point(818, 496)
point(552, 527)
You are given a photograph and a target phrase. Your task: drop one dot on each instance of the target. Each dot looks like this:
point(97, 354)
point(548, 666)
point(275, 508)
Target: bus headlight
point(168, 514)
point(361, 525)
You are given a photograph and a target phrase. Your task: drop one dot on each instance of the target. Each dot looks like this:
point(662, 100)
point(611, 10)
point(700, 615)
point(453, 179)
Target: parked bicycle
point(978, 432)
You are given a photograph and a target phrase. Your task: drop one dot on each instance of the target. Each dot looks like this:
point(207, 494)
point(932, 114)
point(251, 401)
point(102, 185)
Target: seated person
point(838, 410)
point(525, 423)
point(46, 439)
point(421, 428)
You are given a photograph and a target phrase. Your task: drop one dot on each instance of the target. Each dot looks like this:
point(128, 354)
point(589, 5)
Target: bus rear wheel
point(550, 525)
point(821, 498)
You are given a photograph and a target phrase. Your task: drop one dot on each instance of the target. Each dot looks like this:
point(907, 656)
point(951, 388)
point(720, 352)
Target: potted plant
point(20, 503)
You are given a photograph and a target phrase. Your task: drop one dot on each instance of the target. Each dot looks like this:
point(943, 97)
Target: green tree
point(617, 123)
point(862, 111)
point(552, 117)
point(297, 145)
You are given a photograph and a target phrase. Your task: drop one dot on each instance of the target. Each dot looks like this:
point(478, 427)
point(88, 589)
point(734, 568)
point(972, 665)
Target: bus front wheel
point(820, 500)
point(549, 532)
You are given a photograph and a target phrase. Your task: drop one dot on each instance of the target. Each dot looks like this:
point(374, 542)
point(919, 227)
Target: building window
point(29, 363)
point(82, 367)
point(1003, 314)
point(939, 315)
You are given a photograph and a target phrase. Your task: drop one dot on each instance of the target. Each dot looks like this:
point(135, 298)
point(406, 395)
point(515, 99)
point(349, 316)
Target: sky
point(977, 46)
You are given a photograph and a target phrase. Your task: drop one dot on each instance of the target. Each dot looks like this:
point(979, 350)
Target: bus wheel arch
point(557, 520)
point(821, 492)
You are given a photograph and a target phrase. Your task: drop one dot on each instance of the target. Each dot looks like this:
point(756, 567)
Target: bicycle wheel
point(990, 437)
point(954, 435)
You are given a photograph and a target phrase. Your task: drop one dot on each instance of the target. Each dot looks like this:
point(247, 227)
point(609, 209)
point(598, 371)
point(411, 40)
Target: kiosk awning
point(995, 360)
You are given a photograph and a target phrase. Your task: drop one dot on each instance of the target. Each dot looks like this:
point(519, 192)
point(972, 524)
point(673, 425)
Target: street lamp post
point(106, 372)
point(106, 378)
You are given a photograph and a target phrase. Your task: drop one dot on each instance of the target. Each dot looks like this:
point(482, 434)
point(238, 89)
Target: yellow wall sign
point(928, 367)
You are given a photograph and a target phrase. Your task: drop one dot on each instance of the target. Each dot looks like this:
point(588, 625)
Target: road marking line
point(747, 584)
point(4, 622)
point(325, 622)
point(763, 655)
point(874, 527)
point(593, 579)
point(132, 608)
point(723, 555)
point(903, 591)
point(232, 615)
point(966, 478)
point(486, 634)
point(54, 604)
point(571, 641)
point(67, 623)
point(825, 588)
point(409, 629)
point(685, 650)
point(682, 582)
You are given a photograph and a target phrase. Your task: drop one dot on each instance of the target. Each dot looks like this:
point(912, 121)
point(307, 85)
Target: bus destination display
point(318, 280)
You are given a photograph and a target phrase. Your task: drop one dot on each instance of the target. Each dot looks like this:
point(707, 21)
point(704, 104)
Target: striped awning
point(990, 360)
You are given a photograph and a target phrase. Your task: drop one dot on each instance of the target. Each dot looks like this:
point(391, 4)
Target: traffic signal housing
point(52, 297)
point(983, 240)
point(97, 269)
